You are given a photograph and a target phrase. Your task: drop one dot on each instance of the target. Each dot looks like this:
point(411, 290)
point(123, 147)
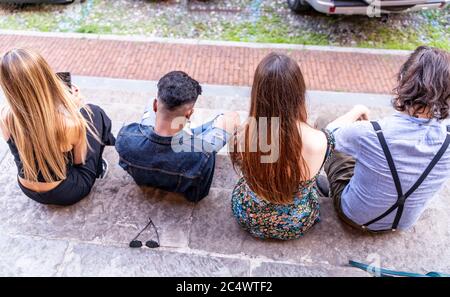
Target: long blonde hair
point(40, 110)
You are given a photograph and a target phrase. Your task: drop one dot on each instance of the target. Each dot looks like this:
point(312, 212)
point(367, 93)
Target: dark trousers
point(81, 178)
point(340, 170)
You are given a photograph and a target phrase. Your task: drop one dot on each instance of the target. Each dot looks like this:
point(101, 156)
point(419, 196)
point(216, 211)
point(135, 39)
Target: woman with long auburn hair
point(276, 195)
point(57, 141)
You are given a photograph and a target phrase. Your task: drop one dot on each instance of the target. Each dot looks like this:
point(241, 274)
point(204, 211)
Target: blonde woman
point(57, 142)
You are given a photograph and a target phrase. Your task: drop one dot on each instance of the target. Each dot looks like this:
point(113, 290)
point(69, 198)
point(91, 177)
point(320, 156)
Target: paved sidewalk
point(225, 65)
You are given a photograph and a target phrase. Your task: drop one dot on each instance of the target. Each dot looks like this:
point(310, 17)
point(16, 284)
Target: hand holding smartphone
point(66, 78)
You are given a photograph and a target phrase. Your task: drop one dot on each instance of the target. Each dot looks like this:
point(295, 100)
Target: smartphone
point(66, 78)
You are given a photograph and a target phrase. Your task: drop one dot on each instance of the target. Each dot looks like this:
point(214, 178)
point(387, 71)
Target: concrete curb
point(223, 91)
point(141, 38)
point(146, 86)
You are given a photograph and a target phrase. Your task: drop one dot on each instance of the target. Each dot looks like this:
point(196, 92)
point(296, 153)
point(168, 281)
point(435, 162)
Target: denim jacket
point(176, 164)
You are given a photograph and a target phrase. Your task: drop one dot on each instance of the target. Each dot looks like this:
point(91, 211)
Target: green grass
point(433, 31)
point(391, 39)
point(269, 30)
point(94, 29)
point(107, 17)
point(438, 38)
point(41, 22)
point(407, 39)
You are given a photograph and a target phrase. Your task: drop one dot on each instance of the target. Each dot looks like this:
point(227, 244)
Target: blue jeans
point(211, 134)
point(207, 132)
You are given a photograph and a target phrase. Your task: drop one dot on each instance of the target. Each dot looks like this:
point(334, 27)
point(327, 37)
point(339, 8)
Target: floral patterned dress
point(279, 221)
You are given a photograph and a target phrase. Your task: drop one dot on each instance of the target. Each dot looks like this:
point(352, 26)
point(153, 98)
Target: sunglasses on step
point(135, 243)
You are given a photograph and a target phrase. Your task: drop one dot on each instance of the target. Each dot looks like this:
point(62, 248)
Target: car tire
point(298, 5)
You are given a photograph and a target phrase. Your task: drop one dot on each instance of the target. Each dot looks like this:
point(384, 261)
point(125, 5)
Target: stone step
point(223, 98)
point(91, 238)
point(125, 101)
point(117, 209)
point(127, 104)
point(39, 257)
point(130, 112)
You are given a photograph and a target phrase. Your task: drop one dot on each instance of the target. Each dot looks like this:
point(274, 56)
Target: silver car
point(365, 7)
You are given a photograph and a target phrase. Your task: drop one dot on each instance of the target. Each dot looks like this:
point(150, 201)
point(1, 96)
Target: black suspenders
point(400, 204)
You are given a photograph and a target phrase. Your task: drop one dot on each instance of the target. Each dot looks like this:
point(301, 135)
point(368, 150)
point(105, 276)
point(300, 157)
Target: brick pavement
point(226, 65)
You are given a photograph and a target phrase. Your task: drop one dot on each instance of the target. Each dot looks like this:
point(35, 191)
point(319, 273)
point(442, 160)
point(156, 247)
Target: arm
point(3, 127)
point(357, 113)
point(79, 153)
point(229, 122)
point(77, 96)
point(349, 129)
point(79, 150)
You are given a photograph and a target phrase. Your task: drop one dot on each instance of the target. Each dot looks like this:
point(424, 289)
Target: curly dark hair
point(176, 88)
point(424, 84)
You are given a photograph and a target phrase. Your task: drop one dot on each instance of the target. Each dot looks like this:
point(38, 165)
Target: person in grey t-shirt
point(362, 184)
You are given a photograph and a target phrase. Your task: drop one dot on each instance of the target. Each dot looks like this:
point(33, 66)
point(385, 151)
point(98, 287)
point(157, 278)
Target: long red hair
point(278, 92)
